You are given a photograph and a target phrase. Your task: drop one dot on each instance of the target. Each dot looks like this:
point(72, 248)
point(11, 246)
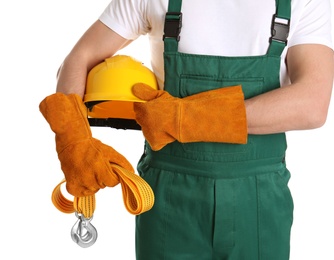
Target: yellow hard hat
point(108, 88)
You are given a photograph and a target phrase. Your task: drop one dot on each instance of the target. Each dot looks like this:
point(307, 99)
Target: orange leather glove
point(84, 160)
point(212, 116)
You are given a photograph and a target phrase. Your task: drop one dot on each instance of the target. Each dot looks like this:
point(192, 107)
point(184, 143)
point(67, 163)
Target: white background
point(35, 37)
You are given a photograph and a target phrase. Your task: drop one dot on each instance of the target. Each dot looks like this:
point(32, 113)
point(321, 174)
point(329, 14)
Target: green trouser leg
point(232, 214)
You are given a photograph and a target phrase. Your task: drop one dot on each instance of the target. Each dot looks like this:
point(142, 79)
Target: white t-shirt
point(224, 28)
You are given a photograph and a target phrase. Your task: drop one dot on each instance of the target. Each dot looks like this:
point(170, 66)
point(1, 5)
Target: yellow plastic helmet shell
point(108, 88)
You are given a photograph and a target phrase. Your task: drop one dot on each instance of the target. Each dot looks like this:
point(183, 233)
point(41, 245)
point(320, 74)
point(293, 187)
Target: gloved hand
point(212, 116)
point(84, 160)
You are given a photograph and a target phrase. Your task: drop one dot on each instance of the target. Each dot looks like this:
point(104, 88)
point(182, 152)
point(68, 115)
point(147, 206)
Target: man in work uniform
point(234, 76)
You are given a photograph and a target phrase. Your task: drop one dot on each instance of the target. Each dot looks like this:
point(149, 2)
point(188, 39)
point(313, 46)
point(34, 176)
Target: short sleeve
point(314, 25)
point(126, 17)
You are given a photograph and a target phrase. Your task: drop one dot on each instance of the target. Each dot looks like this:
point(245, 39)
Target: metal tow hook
point(83, 232)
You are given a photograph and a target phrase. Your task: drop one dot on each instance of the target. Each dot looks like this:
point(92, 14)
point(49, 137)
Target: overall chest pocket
point(190, 85)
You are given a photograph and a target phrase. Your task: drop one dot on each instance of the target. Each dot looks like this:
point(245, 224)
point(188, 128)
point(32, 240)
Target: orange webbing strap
point(138, 196)
point(83, 205)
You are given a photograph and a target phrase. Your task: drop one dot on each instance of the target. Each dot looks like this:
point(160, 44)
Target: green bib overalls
point(217, 201)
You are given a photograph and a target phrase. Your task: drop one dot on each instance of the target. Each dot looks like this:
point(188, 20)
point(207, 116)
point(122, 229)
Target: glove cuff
point(67, 117)
point(215, 116)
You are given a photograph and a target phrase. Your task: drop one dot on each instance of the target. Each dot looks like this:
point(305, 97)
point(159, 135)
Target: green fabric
point(283, 9)
point(236, 211)
point(218, 201)
point(174, 6)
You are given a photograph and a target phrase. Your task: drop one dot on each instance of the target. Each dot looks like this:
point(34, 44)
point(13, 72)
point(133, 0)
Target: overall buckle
point(173, 24)
point(280, 28)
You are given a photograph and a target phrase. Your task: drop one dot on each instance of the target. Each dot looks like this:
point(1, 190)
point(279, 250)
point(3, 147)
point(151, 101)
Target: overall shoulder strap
point(280, 27)
point(174, 5)
point(173, 24)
